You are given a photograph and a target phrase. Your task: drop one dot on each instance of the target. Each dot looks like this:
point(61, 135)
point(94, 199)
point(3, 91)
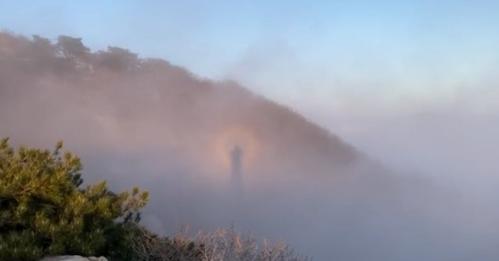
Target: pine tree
point(45, 210)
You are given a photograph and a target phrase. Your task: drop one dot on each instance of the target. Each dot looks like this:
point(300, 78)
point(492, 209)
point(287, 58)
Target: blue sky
point(209, 36)
point(320, 57)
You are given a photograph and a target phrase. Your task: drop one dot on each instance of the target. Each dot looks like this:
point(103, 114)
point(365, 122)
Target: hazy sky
point(412, 83)
point(355, 67)
point(396, 44)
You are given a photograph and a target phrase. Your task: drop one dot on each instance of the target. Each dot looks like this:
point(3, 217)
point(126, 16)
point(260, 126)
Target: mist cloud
point(147, 122)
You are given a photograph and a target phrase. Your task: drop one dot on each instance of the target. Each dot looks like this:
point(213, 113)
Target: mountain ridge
point(116, 77)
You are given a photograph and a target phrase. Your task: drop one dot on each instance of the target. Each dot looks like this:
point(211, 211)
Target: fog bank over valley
point(215, 154)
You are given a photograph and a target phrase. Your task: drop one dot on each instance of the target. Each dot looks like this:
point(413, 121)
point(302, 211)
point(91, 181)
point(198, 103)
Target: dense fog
point(146, 122)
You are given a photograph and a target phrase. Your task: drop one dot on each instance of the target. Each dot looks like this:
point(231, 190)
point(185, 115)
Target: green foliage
point(45, 211)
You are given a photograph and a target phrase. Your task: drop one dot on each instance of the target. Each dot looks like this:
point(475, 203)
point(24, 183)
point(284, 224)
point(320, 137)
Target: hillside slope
point(146, 122)
point(126, 101)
